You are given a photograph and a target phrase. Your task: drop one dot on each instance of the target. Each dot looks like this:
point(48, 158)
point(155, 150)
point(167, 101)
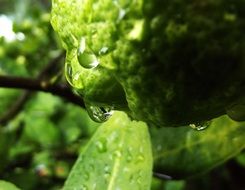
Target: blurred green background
point(39, 145)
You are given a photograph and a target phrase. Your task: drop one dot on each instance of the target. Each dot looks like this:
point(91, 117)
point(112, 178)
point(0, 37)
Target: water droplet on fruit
point(103, 50)
point(99, 114)
point(86, 57)
point(68, 72)
point(237, 112)
point(87, 60)
point(200, 126)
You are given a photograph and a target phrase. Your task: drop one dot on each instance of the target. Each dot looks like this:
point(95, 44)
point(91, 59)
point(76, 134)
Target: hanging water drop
point(86, 57)
point(99, 114)
point(237, 112)
point(200, 126)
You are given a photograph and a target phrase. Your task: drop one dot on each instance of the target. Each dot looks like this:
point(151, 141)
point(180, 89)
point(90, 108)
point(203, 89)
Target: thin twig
point(61, 90)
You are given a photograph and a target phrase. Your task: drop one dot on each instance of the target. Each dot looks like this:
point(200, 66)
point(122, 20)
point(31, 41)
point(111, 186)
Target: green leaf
point(37, 117)
point(183, 152)
point(117, 157)
point(4, 185)
point(6, 141)
point(241, 159)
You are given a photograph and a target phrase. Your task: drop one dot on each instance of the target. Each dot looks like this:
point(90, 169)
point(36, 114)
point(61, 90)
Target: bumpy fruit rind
point(167, 63)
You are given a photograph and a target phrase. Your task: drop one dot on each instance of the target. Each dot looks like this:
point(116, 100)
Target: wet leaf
point(183, 152)
point(117, 157)
point(4, 185)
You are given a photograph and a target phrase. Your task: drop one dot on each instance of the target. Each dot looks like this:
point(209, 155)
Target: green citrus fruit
point(167, 63)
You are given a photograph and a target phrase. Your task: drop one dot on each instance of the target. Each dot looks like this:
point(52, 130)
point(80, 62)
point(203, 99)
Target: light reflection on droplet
point(200, 126)
point(98, 114)
point(85, 56)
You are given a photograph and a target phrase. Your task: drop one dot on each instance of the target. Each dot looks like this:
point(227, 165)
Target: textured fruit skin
point(169, 63)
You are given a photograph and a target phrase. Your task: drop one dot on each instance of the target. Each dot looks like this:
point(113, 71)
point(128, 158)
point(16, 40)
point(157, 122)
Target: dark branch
point(61, 90)
point(53, 68)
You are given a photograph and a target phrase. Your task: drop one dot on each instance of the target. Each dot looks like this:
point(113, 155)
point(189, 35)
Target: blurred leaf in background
point(7, 186)
point(184, 152)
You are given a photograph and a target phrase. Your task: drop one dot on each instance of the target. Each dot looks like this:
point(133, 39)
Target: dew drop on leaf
point(101, 145)
point(107, 176)
point(200, 126)
point(86, 57)
point(107, 168)
point(139, 180)
point(140, 158)
point(136, 179)
point(107, 172)
point(86, 175)
point(98, 114)
point(117, 154)
point(84, 187)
